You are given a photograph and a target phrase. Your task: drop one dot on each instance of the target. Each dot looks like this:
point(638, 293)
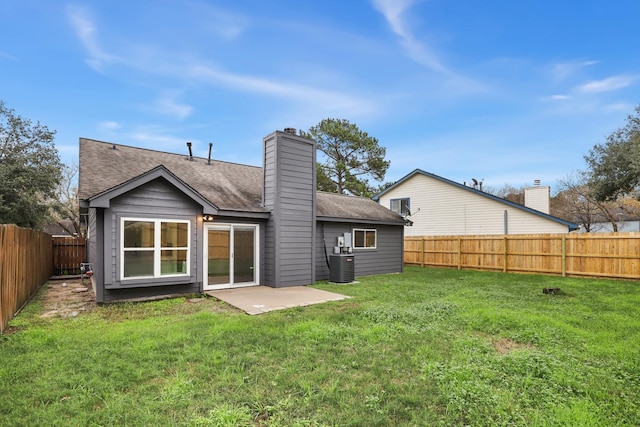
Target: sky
point(502, 91)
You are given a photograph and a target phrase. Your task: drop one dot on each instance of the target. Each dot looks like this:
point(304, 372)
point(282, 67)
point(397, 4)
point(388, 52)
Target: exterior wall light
point(208, 217)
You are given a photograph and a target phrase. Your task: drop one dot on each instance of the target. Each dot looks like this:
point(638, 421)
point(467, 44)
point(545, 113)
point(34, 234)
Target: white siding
point(439, 209)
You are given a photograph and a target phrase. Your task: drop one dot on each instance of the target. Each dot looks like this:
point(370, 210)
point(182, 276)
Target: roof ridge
point(167, 152)
point(343, 195)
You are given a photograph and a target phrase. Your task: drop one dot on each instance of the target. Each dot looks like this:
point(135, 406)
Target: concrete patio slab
point(262, 299)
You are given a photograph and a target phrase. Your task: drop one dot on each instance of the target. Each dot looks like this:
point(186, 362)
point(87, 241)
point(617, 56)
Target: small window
point(364, 238)
point(154, 248)
point(400, 206)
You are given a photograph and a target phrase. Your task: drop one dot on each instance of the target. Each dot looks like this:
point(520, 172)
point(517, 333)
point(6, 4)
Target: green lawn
point(426, 347)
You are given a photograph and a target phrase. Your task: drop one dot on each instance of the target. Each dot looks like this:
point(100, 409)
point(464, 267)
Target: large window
point(364, 238)
point(400, 206)
point(154, 248)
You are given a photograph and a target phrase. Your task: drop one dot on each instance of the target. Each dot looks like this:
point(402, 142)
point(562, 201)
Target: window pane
point(174, 235)
point(395, 206)
point(173, 262)
point(371, 239)
point(358, 236)
point(219, 253)
point(404, 210)
point(138, 234)
point(138, 263)
point(244, 250)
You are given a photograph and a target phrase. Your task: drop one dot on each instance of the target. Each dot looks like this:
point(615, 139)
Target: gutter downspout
point(506, 222)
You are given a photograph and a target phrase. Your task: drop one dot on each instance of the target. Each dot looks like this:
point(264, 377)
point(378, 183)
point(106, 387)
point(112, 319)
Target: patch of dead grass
point(506, 345)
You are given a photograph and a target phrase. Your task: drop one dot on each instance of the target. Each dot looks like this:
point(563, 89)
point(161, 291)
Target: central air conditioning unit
point(342, 268)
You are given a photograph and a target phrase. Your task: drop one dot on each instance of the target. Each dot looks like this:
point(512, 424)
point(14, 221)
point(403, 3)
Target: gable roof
point(102, 200)
point(569, 224)
point(227, 186)
point(108, 169)
point(56, 228)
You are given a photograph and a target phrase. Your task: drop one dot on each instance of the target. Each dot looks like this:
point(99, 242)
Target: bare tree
point(67, 209)
point(577, 202)
point(507, 192)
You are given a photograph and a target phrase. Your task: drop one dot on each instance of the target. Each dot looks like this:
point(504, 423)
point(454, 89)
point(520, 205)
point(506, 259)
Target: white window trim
point(256, 254)
point(375, 231)
point(157, 249)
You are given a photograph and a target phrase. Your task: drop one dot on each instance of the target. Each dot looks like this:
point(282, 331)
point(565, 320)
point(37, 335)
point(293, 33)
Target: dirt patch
point(67, 298)
point(505, 345)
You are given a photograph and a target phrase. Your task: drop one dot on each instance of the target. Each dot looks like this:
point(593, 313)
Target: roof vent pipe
point(290, 131)
point(210, 146)
point(190, 153)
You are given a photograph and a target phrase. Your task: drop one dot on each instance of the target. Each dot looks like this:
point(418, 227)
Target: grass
point(426, 347)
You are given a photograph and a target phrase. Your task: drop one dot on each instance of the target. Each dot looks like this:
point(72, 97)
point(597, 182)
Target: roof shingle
point(228, 186)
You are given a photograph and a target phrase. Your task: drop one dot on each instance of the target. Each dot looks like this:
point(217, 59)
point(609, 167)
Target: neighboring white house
point(438, 206)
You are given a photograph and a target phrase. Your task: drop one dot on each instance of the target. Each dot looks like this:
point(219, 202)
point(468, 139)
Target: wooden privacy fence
point(25, 264)
point(68, 254)
point(609, 255)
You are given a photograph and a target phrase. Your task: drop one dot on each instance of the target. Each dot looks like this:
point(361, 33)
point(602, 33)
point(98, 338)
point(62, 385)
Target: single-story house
point(61, 228)
point(626, 222)
point(437, 206)
point(163, 224)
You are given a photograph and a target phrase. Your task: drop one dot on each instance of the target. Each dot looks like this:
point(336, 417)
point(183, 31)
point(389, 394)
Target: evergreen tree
point(30, 170)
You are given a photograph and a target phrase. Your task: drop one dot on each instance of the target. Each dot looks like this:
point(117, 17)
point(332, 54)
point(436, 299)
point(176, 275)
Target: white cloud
point(154, 60)
point(169, 106)
point(394, 12)
point(109, 125)
point(86, 32)
point(607, 85)
point(560, 97)
point(564, 70)
point(225, 24)
point(154, 137)
point(7, 56)
point(329, 99)
point(619, 106)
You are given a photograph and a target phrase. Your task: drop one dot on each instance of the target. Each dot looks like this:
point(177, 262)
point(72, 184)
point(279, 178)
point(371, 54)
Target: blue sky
point(505, 91)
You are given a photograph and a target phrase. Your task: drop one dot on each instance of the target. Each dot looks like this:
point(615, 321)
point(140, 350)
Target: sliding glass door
point(231, 258)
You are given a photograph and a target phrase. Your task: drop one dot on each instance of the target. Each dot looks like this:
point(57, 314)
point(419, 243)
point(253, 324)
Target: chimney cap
point(291, 131)
point(536, 182)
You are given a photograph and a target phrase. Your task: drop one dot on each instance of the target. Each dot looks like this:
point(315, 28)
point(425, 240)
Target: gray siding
point(91, 237)
point(386, 258)
point(154, 200)
point(290, 191)
point(96, 251)
point(269, 195)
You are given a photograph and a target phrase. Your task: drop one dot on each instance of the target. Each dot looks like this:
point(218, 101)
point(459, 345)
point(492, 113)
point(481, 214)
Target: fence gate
point(68, 254)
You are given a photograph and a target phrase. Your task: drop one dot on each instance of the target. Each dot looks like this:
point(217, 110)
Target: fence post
point(564, 256)
point(422, 252)
point(506, 252)
point(459, 253)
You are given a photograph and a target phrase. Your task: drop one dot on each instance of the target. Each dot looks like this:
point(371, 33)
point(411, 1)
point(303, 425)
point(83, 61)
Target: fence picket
point(25, 265)
point(607, 255)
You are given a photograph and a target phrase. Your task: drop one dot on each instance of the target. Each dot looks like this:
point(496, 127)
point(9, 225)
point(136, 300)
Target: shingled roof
point(228, 186)
point(337, 207)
